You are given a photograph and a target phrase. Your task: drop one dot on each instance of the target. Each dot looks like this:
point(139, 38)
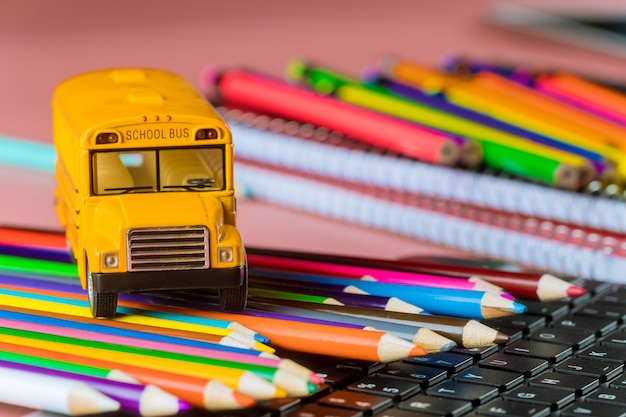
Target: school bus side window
point(197, 169)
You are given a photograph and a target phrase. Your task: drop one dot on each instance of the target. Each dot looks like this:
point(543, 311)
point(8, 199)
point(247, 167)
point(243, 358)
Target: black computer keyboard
point(564, 358)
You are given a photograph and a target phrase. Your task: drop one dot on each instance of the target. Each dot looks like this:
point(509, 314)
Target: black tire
point(235, 299)
point(101, 304)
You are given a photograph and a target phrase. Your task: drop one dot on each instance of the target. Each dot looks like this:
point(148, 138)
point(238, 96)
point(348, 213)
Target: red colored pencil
point(261, 93)
point(527, 285)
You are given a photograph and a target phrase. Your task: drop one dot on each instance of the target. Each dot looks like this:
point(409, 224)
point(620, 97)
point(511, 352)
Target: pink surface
point(43, 42)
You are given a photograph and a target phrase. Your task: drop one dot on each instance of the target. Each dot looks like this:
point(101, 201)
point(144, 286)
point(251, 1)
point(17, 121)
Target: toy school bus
point(144, 187)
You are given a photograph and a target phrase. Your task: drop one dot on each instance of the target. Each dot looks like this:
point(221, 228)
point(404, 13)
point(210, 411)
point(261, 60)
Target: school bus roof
point(117, 97)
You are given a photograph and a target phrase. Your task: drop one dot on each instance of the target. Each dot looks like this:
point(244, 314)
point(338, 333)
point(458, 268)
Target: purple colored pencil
point(143, 400)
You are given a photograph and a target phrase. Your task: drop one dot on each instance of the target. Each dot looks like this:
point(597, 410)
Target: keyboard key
point(423, 375)
point(435, 405)
point(477, 353)
point(451, 362)
point(364, 367)
point(315, 410)
point(575, 338)
point(513, 363)
point(555, 399)
point(551, 352)
point(395, 388)
point(551, 310)
point(476, 394)
point(619, 383)
point(525, 322)
point(502, 380)
point(589, 409)
point(334, 376)
point(616, 339)
point(396, 412)
point(499, 408)
point(600, 326)
point(608, 395)
point(606, 310)
point(368, 403)
point(604, 371)
point(605, 353)
point(578, 384)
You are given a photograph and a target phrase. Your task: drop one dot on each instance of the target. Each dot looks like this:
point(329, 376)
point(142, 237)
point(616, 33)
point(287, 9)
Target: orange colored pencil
point(199, 392)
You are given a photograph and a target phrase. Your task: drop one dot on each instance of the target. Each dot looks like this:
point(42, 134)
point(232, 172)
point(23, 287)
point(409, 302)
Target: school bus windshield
point(157, 170)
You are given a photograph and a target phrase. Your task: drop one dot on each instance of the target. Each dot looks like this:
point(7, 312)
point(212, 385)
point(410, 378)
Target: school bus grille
point(172, 248)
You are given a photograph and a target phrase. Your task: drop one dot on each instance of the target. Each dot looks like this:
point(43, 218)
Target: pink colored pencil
point(368, 273)
point(285, 364)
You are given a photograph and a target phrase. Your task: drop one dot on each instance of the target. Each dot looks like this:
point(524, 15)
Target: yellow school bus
point(144, 187)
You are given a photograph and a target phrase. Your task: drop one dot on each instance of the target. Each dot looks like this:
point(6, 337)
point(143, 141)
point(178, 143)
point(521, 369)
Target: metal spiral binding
point(285, 144)
point(547, 245)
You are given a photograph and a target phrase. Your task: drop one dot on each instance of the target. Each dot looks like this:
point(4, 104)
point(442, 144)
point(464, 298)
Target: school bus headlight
point(106, 138)
point(110, 260)
point(225, 254)
point(203, 134)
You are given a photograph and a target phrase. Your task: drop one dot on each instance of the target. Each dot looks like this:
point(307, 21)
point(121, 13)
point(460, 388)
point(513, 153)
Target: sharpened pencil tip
point(575, 291)
point(501, 338)
point(244, 401)
point(418, 351)
point(518, 308)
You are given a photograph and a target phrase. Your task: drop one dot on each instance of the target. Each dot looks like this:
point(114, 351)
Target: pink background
point(43, 42)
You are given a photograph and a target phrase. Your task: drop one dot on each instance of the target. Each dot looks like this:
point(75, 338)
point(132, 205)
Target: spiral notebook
point(314, 170)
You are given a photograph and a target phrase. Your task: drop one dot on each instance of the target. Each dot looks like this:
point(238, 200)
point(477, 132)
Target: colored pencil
point(350, 341)
point(295, 383)
point(599, 161)
point(291, 335)
point(516, 104)
point(260, 262)
point(526, 285)
point(141, 335)
point(183, 337)
point(80, 308)
point(17, 264)
point(466, 333)
point(17, 321)
point(500, 149)
point(337, 296)
point(287, 375)
point(135, 398)
point(423, 337)
point(244, 381)
point(442, 301)
point(262, 93)
point(21, 153)
point(51, 393)
point(200, 392)
point(477, 304)
point(593, 97)
point(36, 266)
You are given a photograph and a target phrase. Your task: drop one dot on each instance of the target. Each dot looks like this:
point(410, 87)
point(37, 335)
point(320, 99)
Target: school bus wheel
point(101, 304)
point(235, 299)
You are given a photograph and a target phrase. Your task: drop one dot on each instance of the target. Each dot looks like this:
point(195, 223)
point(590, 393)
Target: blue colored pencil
point(439, 301)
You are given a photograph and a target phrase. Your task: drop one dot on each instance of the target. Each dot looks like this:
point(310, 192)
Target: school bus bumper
point(169, 280)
